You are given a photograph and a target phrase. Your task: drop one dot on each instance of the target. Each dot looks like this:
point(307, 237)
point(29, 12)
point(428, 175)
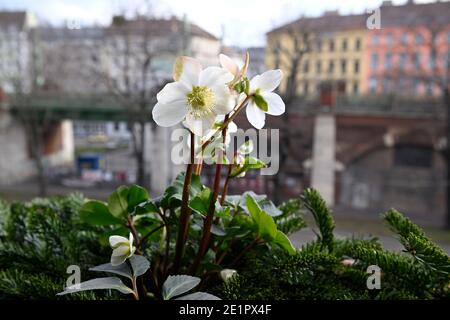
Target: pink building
point(410, 54)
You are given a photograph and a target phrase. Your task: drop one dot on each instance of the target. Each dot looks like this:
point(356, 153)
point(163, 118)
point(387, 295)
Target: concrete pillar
point(323, 162)
point(157, 155)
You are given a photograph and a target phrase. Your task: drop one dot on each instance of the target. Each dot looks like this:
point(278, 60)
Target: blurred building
point(367, 123)
point(412, 43)
point(16, 47)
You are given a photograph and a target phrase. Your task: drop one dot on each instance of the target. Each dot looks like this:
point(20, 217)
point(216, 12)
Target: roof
point(409, 14)
point(160, 27)
point(12, 18)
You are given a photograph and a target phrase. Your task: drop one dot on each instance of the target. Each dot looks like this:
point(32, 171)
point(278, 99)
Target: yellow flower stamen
point(201, 100)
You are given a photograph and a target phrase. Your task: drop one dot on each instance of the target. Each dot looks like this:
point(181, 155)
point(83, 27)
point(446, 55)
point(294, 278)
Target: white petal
point(114, 241)
point(269, 80)
point(131, 239)
point(275, 103)
point(121, 251)
point(116, 260)
point(200, 127)
point(167, 115)
point(228, 64)
point(255, 116)
point(172, 92)
point(214, 76)
point(232, 127)
point(254, 84)
point(223, 99)
point(190, 71)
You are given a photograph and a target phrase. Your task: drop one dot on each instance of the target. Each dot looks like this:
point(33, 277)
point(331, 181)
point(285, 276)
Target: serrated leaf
point(177, 285)
point(122, 269)
point(96, 212)
point(199, 296)
point(201, 202)
point(113, 283)
point(139, 264)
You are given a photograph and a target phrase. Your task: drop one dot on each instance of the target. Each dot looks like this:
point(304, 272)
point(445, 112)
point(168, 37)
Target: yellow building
point(326, 49)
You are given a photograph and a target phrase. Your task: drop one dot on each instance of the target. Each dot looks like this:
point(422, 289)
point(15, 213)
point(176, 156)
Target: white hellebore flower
point(227, 274)
point(264, 100)
point(122, 249)
point(197, 95)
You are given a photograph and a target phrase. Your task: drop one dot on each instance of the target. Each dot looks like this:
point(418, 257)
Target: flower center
point(201, 99)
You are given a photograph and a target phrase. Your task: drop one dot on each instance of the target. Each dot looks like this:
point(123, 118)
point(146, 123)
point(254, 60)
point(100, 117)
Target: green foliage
point(291, 218)
point(337, 269)
point(417, 244)
point(40, 239)
point(322, 215)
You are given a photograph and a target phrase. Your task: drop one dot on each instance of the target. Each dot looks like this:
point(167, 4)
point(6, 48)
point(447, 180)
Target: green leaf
point(122, 269)
point(249, 163)
point(136, 196)
point(173, 194)
point(267, 227)
point(217, 230)
point(177, 285)
point(260, 102)
point(97, 284)
point(199, 296)
point(283, 241)
point(139, 264)
point(96, 213)
point(124, 200)
point(201, 202)
point(118, 203)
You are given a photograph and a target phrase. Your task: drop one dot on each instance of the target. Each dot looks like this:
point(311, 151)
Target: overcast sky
point(243, 22)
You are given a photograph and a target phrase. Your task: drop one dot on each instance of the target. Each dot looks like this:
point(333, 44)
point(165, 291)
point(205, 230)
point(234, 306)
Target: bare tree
point(24, 82)
point(291, 58)
point(129, 73)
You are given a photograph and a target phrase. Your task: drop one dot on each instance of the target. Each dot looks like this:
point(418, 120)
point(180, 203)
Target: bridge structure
point(367, 153)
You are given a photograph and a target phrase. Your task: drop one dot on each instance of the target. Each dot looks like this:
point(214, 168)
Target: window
point(306, 66)
point(343, 66)
point(402, 60)
point(416, 59)
point(376, 39)
point(116, 126)
point(344, 45)
point(319, 45)
point(386, 85)
point(305, 88)
point(358, 44)
point(374, 61)
point(418, 38)
point(331, 45)
point(388, 60)
point(373, 84)
point(404, 38)
point(319, 66)
point(432, 60)
point(355, 88)
point(356, 66)
point(331, 67)
point(429, 89)
point(389, 39)
point(412, 156)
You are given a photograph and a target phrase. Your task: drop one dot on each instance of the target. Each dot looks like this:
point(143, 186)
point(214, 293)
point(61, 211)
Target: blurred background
point(366, 88)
